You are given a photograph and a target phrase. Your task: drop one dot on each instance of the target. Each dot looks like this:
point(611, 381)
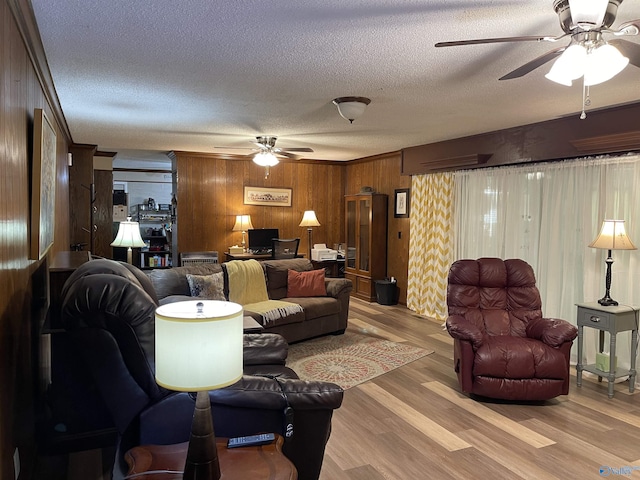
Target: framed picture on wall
point(401, 203)
point(269, 197)
point(43, 185)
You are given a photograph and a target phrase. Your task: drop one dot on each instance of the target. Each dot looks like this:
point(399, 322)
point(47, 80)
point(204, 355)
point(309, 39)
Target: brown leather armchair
point(503, 347)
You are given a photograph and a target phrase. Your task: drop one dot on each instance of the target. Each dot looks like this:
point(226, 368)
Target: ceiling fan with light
point(267, 152)
point(588, 54)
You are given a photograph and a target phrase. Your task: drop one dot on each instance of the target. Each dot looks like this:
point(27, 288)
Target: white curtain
point(547, 214)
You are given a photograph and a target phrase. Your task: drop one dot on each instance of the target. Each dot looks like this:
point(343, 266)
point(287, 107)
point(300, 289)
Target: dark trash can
point(386, 291)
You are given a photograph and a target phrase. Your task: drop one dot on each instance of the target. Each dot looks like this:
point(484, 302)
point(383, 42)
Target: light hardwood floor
point(413, 423)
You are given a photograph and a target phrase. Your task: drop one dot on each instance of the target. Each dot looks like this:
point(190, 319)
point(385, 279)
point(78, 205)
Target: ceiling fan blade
point(288, 155)
point(533, 64)
point(301, 149)
point(237, 148)
point(628, 49)
point(478, 41)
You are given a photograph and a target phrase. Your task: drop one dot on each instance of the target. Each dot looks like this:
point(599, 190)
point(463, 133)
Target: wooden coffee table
point(260, 462)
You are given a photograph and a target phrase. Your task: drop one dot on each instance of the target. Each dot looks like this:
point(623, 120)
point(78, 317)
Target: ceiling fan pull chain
point(586, 100)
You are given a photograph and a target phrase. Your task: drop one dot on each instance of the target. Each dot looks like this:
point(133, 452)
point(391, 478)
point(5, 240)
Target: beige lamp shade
point(198, 345)
point(128, 235)
point(309, 219)
point(243, 223)
point(613, 236)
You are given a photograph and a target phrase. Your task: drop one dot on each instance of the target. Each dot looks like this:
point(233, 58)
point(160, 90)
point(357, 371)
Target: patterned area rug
point(349, 359)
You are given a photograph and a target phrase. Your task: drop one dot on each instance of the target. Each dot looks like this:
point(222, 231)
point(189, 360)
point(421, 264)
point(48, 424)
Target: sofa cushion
point(277, 272)
point(316, 307)
point(306, 284)
point(173, 281)
point(210, 287)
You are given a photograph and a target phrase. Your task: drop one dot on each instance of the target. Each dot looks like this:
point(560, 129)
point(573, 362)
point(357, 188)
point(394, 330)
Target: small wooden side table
point(613, 319)
point(265, 462)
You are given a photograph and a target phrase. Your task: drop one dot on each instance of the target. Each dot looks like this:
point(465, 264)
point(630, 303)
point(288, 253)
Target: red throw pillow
point(306, 284)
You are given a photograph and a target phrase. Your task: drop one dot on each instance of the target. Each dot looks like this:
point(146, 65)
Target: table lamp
point(199, 348)
point(309, 220)
point(243, 223)
point(612, 236)
point(128, 236)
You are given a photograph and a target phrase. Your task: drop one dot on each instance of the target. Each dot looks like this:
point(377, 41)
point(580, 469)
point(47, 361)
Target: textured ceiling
point(160, 75)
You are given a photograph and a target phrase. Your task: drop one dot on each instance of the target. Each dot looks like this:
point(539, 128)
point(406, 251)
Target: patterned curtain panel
point(431, 243)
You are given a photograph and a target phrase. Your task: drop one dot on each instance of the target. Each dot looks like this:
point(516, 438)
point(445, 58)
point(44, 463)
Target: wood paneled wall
point(383, 174)
point(211, 191)
point(23, 281)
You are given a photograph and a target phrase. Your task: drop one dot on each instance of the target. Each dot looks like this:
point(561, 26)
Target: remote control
point(261, 439)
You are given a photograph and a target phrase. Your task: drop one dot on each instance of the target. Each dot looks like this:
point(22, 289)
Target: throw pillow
point(306, 284)
point(210, 287)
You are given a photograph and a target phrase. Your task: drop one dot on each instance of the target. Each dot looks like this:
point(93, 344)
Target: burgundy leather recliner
point(503, 347)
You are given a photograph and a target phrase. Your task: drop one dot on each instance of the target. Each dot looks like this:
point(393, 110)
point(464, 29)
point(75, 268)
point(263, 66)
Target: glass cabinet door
point(351, 234)
point(365, 209)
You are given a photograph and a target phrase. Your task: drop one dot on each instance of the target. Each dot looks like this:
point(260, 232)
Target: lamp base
point(202, 456)
point(607, 301)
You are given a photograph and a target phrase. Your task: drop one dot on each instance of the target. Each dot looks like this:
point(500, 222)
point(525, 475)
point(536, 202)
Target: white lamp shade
point(243, 223)
point(597, 65)
point(603, 63)
point(309, 219)
point(613, 236)
point(569, 66)
point(128, 235)
point(588, 12)
point(351, 108)
point(265, 159)
point(198, 351)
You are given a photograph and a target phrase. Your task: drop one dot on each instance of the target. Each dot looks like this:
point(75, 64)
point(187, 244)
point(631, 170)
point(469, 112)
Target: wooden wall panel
point(103, 213)
point(81, 184)
point(609, 130)
point(383, 174)
point(23, 300)
point(211, 194)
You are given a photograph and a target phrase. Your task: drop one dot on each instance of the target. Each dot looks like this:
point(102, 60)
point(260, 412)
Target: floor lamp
point(128, 236)
point(199, 348)
point(309, 220)
point(612, 236)
point(243, 223)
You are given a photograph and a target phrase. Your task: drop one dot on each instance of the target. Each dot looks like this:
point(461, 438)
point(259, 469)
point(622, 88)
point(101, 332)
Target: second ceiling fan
point(266, 154)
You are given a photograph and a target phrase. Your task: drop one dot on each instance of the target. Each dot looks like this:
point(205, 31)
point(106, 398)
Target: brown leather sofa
point(503, 347)
point(108, 312)
point(322, 315)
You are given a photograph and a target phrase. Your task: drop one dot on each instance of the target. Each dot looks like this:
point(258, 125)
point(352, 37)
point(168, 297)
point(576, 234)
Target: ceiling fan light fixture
point(603, 63)
point(351, 108)
point(265, 159)
point(569, 66)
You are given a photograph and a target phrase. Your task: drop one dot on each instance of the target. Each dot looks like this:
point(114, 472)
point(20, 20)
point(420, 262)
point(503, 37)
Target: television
point(260, 239)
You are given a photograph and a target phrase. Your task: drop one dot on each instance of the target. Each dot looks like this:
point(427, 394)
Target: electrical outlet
point(16, 464)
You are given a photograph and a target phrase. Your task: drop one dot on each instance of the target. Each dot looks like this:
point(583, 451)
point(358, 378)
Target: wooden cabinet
point(366, 230)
